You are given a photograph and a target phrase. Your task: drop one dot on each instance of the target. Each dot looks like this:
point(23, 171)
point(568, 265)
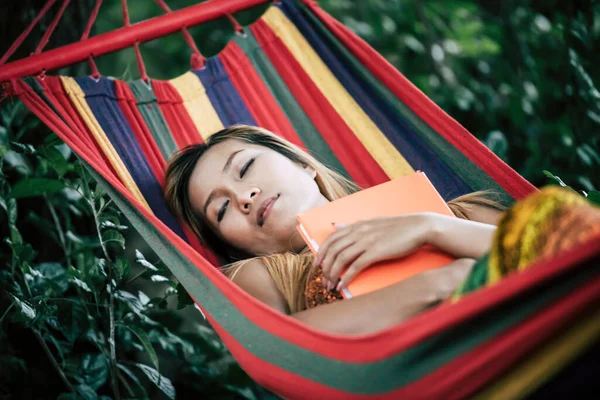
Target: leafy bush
point(81, 315)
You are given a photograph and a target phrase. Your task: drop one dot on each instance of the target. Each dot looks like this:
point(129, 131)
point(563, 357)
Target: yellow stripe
point(77, 97)
point(384, 152)
point(546, 362)
point(197, 104)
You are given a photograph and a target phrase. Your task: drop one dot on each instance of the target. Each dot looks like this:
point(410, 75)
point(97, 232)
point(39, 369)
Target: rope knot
point(6, 90)
point(197, 61)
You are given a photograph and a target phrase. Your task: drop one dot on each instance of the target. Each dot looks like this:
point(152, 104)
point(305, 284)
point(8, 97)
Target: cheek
point(236, 231)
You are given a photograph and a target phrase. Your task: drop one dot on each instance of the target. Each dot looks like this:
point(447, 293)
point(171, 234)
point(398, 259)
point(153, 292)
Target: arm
point(459, 237)
point(367, 313)
point(359, 245)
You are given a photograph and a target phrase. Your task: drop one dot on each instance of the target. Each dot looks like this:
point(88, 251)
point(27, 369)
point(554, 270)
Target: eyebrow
point(225, 169)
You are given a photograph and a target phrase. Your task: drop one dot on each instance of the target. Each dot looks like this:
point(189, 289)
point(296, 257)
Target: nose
point(246, 199)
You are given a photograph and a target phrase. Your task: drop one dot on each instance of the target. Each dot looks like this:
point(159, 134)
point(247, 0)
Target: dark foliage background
point(87, 311)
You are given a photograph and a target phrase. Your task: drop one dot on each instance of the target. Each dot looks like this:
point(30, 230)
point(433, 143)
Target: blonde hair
point(290, 271)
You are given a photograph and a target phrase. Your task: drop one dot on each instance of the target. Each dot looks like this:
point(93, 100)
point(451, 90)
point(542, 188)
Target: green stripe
point(39, 90)
point(360, 378)
point(147, 105)
point(305, 129)
point(466, 169)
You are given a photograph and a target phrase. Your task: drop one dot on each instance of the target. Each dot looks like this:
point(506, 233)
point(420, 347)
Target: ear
point(311, 171)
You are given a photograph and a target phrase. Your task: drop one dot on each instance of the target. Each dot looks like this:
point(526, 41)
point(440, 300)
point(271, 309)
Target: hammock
point(298, 72)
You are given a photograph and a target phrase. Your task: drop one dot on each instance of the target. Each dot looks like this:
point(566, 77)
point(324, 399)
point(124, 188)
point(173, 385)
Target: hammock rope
point(95, 74)
point(298, 72)
point(197, 60)
point(23, 36)
point(52, 27)
point(136, 44)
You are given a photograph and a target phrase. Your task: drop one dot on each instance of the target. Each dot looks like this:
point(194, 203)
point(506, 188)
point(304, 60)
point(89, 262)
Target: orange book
point(405, 195)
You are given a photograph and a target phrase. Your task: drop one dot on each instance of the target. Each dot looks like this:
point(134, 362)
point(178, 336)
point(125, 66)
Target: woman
point(240, 193)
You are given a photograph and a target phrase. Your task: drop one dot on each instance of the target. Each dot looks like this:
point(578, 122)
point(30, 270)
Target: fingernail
point(339, 286)
point(329, 286)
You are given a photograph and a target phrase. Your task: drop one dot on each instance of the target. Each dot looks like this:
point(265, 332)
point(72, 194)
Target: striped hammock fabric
point(303, 75)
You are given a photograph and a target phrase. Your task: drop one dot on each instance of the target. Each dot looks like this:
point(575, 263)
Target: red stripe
point(285, 383)
point(466, 374)
point(71, 135)
point(181, 125)
point(143, 136)
point(359, 349)
point(374, 347)
point(55, 93)
point(427, 110)
point(359, 163)
point(184, 133)
point(381, 345)
point(256, 95)
point(456, 380)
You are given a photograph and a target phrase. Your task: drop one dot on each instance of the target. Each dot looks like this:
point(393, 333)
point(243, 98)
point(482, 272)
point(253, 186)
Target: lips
point(265, 208)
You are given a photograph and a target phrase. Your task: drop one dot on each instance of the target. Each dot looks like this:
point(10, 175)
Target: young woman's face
point(250, 196)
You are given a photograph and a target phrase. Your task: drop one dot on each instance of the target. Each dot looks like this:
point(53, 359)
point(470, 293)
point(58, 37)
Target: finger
point(335, 249)
point(358, 265)
point(343, 260)
point(332, 238)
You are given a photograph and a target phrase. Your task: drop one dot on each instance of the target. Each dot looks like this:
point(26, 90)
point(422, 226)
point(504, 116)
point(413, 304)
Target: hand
point(366, 242)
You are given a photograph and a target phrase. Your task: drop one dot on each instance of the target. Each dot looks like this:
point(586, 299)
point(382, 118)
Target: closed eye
point(222, 211)
point(246, 166)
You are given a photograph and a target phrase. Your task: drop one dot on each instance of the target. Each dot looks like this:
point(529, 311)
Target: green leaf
point(557, 180)
point(86, 392)
point(163, 383)
point(56, 276)
point(81, 284)
point(19, 162)
point(183, 298)
point(24, 147)
point(145, 340)
point(122, 268)
point(113, 236)
point(30, 187)
point(94, 370)
point(594, 197)
point(52, 140)
point(142, 260)
point(15, 236)
point(12, 211)
point(73, 320)
point(133, 377)
point(3, 135)
point(159, 278)
point(26, 309)
point(56, 160)
point(132, 302)
point(111, 225)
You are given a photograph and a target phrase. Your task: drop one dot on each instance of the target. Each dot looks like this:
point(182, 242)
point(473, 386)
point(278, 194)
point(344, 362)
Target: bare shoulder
point(254, 278)
point(485, 214)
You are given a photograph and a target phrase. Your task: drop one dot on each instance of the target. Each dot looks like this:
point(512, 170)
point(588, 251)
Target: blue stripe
point(398, 131)
point(102, 100)
point(223, 95)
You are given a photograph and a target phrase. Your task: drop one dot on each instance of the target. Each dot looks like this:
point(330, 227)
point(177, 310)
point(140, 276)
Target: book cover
point(405, 195)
